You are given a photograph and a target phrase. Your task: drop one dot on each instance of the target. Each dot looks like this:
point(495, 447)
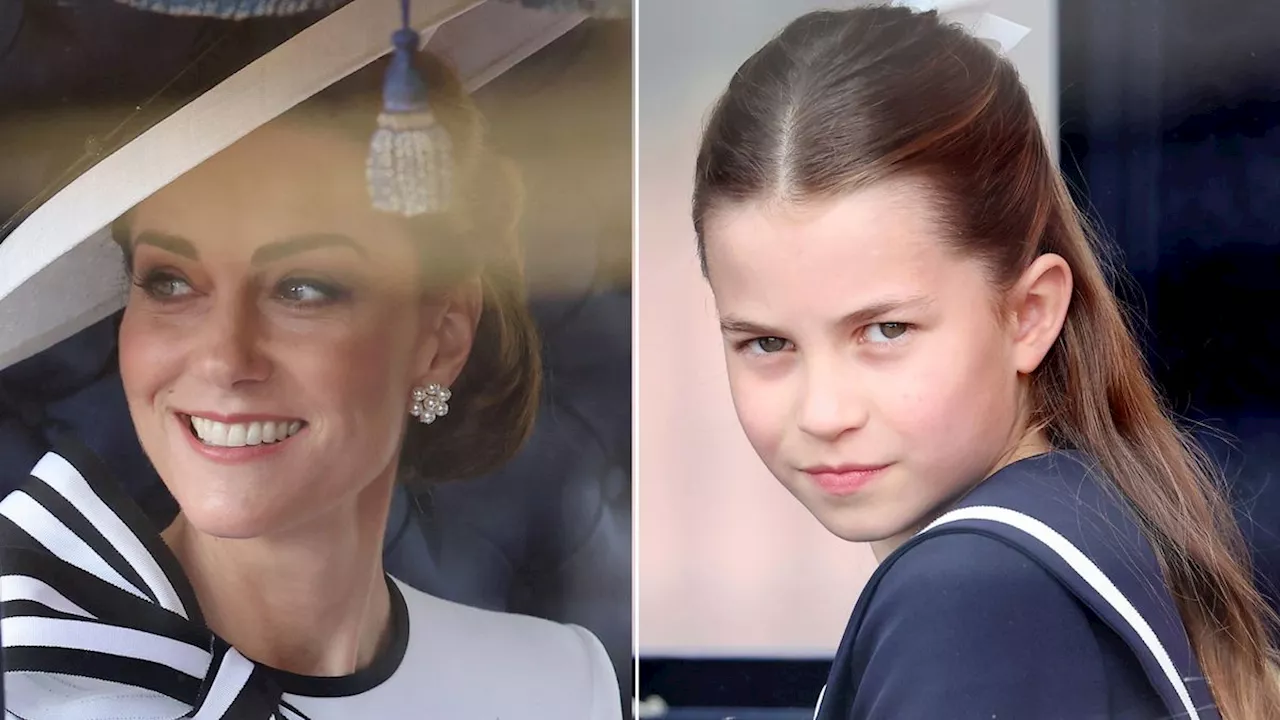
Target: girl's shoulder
point(967, 595)
point(965, 625)
point(1039, 581)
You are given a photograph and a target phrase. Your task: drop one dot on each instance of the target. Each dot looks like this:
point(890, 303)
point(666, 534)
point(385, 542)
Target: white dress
point(99, 623)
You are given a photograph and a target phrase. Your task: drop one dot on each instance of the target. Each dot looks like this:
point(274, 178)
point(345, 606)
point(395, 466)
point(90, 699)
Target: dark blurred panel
point(773, 687)
point(1171, 136)
point(79, 78)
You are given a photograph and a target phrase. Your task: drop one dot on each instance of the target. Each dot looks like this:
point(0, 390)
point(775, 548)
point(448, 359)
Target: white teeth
point(212, 432)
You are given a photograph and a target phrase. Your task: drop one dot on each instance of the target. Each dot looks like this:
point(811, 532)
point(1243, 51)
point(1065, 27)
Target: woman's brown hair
point(500, 385)
point(841, 100)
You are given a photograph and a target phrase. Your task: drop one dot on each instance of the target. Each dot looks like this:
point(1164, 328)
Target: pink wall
point(729, 562)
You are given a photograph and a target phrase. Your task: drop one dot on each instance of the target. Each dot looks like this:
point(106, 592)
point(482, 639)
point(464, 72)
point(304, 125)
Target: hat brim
point(60, 271)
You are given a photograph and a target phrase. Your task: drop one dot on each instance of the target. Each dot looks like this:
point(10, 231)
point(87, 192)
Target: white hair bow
point(975, 15)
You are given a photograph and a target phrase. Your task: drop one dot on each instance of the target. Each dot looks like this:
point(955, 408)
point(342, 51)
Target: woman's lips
point(250, 439)
point(844, 479)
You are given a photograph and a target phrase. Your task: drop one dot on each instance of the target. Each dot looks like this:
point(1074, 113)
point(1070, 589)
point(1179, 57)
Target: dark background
point(1171, 136)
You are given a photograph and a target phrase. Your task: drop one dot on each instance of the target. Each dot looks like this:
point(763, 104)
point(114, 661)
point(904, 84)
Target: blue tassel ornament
point(410, 165)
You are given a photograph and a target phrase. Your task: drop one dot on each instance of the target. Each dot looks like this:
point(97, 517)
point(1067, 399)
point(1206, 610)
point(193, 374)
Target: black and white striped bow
point(98, 617)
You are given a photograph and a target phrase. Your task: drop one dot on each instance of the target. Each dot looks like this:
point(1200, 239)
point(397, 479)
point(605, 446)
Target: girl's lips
point(845, 479)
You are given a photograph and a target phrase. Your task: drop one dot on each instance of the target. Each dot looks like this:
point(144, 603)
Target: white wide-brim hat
point(60, 271)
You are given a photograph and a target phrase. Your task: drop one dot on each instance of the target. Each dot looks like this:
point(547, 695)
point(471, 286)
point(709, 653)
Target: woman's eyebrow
point(169, 243)
point(271, 252)
point(268, 253)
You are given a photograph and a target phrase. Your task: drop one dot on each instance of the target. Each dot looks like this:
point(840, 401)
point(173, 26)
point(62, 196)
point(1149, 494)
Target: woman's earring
point(430, 402)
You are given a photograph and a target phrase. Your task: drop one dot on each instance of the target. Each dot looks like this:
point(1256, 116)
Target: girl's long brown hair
point(841, 100)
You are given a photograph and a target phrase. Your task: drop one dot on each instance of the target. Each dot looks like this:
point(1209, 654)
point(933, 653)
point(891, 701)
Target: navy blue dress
point(1035, 598)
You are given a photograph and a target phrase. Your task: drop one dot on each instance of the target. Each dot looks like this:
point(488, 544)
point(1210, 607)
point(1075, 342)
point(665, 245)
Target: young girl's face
point(869, 365)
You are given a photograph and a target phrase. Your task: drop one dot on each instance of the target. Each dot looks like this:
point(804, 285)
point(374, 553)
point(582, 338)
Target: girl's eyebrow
point(731, 325)
point(885, 307)
point(734, 325)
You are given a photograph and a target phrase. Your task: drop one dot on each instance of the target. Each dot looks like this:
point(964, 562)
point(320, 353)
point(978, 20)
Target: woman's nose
point(231, 338)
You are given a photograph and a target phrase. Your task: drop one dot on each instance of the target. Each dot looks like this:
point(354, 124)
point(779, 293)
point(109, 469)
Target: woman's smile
point(230, 439)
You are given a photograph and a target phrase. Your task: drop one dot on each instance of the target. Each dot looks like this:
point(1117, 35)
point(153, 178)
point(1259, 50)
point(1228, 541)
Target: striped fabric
point(98, 617)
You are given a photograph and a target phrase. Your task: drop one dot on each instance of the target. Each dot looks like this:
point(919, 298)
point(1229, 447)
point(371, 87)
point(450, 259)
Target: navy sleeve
point(964, 627)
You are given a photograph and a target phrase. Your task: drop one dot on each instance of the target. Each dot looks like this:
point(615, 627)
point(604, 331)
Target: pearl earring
point(430, 402)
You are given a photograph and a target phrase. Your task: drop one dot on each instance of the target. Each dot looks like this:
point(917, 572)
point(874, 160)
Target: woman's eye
point(164, 286)
point(308, 292)
point(767, 345)
point(886, 332)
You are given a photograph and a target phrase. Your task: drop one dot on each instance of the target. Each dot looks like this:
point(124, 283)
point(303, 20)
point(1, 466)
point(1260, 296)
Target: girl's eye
point(766, 345)
point(886, 332)
point(308, 292)
point(164, 286)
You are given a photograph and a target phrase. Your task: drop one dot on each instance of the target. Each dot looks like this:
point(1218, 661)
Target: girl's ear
point(1039, 303)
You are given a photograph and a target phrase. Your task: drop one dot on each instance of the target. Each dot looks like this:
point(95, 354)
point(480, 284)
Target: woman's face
point(867, 362)
point(274, 333)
